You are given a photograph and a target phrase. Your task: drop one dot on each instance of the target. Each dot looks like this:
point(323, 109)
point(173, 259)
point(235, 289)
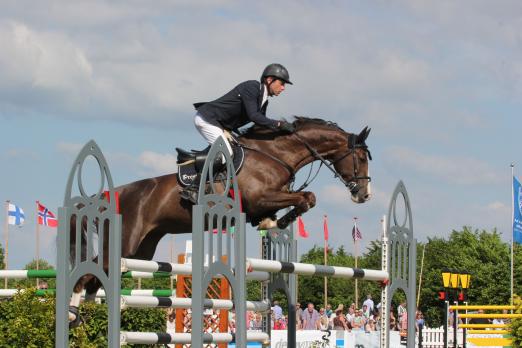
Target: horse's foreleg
point(301, 201)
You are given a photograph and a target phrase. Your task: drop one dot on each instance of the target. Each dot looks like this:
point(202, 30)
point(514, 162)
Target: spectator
point(280, 324)
point(171, 324)
point(42, 285)
point(404, 322)
point(277, 310)
point(328, 310)
point(393, 322)
point(257, 322)
point(298, 316)
point(472, 320)
point(310, 318)
point(369, 303)
point(339, 321)
point(351, 314)
point(500, 321)
point(400, 311)
point(358, 322)
point(366, 312)
point(419, 320)
point(323, 319)
point(377, 319)
point(370, 325)
point(340, 307)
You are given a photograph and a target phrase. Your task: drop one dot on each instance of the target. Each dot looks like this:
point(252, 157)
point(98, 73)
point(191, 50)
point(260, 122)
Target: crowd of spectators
point(364, 319)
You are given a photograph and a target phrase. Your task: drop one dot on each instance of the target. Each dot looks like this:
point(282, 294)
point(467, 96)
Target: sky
point(439, 83)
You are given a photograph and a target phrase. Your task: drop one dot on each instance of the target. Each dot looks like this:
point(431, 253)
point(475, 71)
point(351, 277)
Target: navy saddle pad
point(187, 173)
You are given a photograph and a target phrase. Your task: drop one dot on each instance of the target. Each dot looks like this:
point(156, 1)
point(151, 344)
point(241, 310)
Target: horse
point(151, 208)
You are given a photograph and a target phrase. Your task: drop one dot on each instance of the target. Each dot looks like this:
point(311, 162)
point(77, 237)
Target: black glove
point(286, 127)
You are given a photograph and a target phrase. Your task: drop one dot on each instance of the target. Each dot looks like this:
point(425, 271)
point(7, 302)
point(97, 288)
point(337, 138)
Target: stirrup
point(190, 193)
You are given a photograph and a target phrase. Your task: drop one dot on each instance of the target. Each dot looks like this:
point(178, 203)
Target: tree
point(483, 254)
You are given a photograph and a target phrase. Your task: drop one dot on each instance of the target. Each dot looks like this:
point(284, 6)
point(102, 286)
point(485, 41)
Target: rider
point(245, 103)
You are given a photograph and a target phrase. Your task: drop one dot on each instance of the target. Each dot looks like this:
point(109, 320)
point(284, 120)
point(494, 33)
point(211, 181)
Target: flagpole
point(171, 259)
point(6, 251)
point(325, 278)
point(512, 232)
point(37, 242)
point(420, 275)
point(356, 246)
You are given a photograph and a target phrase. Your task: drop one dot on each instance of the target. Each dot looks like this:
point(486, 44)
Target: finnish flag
point(16, 215)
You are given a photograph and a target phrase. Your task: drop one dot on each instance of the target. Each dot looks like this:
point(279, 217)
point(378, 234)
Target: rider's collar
point(265, 94)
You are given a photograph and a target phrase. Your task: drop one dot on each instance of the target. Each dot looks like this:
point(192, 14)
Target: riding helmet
point(278, 71)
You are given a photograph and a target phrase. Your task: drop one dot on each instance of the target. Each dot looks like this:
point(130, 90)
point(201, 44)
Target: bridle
point(352, 182)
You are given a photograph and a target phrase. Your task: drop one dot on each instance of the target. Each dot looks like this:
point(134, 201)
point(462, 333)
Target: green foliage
point(27, 321)
point(311, 289)
point(147, 283)
point(516, 324)
point(2, 257)
point(481, 253)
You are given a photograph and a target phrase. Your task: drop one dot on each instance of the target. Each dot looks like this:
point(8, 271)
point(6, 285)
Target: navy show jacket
point(238, 107)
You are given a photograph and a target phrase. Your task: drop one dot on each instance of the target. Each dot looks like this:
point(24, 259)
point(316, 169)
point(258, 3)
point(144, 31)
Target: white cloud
point(453, 169)
point(147, 163)
point(158, 163)
point(148, 64)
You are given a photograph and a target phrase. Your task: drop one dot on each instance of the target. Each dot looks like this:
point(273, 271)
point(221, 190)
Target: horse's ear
point(361, 138)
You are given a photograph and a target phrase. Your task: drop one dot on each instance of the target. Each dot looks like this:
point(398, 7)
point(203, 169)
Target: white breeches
point(210, 132)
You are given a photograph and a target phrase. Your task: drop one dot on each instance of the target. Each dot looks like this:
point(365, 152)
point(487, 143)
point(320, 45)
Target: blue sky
point(439, 83)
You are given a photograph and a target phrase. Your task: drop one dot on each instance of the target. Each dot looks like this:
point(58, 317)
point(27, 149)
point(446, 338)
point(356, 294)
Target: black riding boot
point(190, 193)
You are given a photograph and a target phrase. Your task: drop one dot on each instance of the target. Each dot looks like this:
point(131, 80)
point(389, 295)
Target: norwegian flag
point(46, 217)
point(356, 234)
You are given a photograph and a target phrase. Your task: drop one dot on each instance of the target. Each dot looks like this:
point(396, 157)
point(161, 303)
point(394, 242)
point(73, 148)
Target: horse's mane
point(299, 123)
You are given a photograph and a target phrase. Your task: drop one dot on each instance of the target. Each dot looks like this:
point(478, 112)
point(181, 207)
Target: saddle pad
point(187, 173)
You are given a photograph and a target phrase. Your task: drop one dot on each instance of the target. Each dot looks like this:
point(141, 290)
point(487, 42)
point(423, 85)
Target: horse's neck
point(295, 153)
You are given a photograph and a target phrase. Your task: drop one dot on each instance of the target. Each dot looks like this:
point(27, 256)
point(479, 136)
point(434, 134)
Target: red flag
point(301, 229)
point(117, 195)
point(325, 227)
point(46, 217)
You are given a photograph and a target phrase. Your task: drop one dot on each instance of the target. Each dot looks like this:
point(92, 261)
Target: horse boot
point(190, 193)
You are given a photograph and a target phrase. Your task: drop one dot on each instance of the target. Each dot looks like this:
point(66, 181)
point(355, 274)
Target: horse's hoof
point(267, 224)
point(74, 317)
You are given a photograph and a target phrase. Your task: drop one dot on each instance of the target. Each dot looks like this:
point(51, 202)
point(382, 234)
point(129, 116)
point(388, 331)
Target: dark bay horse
point(151, 208)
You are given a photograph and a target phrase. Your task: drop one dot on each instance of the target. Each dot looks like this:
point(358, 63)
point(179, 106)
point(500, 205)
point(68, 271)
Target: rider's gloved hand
point(286, 126)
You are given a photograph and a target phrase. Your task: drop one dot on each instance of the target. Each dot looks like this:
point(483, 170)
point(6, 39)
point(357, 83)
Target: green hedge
point(27, 320)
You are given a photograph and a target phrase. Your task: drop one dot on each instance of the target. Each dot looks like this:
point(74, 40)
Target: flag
point(45, 216)
point(517, 211)
point(16, 215)
point(301, 228)
point(325, 227)
point(356, 234)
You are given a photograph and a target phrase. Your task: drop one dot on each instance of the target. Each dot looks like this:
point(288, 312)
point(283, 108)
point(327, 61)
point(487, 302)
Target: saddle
point(190, 164)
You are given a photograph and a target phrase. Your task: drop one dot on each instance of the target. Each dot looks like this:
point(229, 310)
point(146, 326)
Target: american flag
point(356, 234)
point(46, 217)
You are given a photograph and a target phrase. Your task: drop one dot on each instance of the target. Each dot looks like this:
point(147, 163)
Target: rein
point(350, 184)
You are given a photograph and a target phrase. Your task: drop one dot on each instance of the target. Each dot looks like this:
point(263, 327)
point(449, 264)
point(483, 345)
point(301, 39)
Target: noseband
point(352, 183)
